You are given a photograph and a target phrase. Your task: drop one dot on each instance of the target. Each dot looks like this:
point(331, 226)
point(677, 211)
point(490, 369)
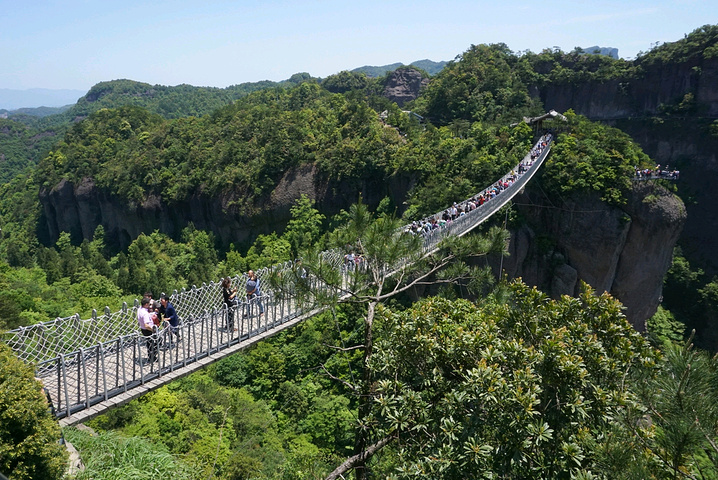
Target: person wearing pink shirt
point(147, 324)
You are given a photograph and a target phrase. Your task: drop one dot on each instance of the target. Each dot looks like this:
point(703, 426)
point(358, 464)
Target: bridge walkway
point(92, 365)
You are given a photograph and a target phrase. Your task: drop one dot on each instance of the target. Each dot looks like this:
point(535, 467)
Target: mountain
point(33, 111)
point(37, 97)
point(429, 66)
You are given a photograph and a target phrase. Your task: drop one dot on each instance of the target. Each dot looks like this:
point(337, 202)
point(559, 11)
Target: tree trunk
point(365, 400)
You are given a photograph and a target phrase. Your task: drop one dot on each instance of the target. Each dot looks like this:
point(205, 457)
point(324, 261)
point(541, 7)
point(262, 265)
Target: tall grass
point(110, 456)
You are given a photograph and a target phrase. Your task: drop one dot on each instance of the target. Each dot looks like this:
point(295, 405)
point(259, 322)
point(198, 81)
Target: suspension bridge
point(89, 366)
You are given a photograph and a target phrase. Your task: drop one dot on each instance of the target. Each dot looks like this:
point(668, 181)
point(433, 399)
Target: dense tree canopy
point(29, 435)
point(518, 387)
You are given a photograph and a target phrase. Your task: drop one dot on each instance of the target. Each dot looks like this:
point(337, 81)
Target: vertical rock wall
point(625, 251)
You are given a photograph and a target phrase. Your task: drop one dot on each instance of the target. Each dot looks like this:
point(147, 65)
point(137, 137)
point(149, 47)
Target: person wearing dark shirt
point(170, 314)
point(229, 296)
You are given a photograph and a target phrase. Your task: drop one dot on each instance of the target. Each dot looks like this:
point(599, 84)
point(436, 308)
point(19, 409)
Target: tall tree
point(379, 265)
point(519, 386)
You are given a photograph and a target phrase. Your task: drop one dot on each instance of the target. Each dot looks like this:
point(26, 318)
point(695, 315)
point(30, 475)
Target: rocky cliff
point(79, 209)
point(658, 88)
point(621, 250)
point(404, 85)
point(668, 111)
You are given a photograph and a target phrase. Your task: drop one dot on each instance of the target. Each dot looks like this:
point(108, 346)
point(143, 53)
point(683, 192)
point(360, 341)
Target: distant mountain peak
point(11, 99)
point(429, 66)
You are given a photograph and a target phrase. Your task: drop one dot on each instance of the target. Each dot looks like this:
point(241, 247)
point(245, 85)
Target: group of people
point(352, 260)
point(658, 172)
point(423, 227)
point(231, 300)
point(160, 324)
point(155, 316)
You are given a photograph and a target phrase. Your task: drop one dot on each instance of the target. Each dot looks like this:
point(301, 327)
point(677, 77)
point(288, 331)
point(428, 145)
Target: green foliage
point(692, 298)
point(305, 227)
point(451, 167)
point(268, 250)
point(345, 81)
point(170, 102)
point(664, 328)
point(593, 158)
point(574, 68)
point(19, 218)
point(481, 85)
point(522, 389)
point(242, 150)
point(29, 434)
point(700, 43)
point(680, 413)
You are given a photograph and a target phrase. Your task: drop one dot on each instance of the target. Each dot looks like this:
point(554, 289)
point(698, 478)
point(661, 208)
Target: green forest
point(476, 377)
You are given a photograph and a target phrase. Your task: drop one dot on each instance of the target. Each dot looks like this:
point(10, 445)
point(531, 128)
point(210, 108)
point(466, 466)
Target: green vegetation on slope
point(20, 151)
point(272, 413)
point(29, 435)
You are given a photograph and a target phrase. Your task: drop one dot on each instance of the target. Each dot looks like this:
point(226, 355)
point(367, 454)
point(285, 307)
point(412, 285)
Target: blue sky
point(74, 44)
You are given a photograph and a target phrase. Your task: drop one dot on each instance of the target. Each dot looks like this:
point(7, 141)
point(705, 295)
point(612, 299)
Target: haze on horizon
point(76, 44)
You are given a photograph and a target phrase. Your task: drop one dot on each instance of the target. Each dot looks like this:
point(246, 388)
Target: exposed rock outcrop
point(683, 142)
point(624, 251)
point(79, 209)
point(404, 85)
point(660, 86)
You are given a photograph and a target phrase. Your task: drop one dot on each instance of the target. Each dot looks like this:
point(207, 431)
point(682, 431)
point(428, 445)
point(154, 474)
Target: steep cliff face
point(79, 209)
point(659, 86)
point(690, 147)
point(683, 141)
point(624, 251)
point(404, 85)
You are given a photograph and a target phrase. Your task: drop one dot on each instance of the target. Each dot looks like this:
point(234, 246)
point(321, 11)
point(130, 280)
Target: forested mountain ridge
point(429, 66)
point(26, 137)
point(518, 385)
point(667, 100)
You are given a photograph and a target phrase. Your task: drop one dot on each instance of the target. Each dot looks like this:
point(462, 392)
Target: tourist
point(170, 314)
point(229, 297)
point(254, 293)
point(146, 321)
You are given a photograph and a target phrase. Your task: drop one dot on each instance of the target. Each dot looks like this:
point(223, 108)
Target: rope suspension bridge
point(88, 366)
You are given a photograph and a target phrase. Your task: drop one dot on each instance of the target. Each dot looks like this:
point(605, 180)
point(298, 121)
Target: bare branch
point(358, 459)
point(343, 349)
point(418, 280)
point(353, 388)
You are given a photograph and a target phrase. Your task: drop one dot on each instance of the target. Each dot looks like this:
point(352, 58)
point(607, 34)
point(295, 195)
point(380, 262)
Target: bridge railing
point(73, 337)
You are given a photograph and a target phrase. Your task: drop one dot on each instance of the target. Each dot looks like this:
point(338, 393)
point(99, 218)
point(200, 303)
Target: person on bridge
point(147, 324)
point(229, 296)
point(253, 292)
point(170, 314)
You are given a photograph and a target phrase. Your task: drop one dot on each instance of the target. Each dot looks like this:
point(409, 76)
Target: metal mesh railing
point(86, 361)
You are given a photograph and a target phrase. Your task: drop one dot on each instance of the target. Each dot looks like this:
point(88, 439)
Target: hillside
point(429, 66)
point(131, 199)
